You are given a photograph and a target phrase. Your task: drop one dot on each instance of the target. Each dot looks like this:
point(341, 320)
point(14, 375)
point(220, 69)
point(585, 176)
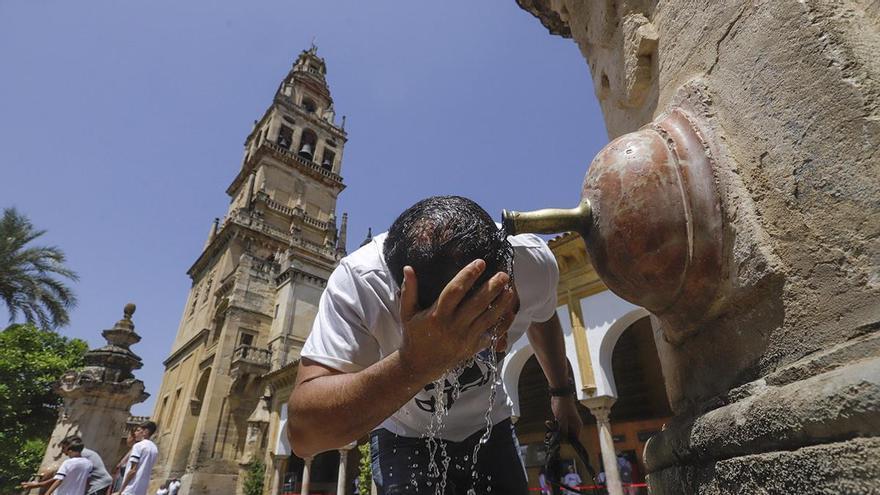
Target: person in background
point(140, 461)
point(99, 479)
point(626, 479)
point(119, 470)
point(72, 477)
point(571, 479)
point(163, 490)
point(543, 484)
point(174, 486)
point(600, 480)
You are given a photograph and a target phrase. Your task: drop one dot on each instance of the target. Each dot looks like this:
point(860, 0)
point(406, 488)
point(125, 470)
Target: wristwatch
point(563, 391)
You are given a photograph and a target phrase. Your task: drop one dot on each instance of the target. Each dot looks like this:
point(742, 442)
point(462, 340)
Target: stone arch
point(510, 373)
point(609, 340)
point(308, 144)
point(198, 396)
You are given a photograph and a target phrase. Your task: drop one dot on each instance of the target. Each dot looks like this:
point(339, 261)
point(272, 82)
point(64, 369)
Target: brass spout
point(548, 221)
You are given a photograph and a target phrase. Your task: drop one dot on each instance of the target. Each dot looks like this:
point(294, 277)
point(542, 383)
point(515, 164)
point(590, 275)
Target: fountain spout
point(549, 220)
point(650, 216)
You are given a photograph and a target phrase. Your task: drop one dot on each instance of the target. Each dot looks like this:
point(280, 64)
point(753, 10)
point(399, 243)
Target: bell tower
point(256, 283)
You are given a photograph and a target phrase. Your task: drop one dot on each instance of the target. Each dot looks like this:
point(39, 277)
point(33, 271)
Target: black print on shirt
point(475, 375)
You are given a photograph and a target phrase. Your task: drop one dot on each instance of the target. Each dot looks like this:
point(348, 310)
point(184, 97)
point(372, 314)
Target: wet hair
point(149, 426)
point(439, 236)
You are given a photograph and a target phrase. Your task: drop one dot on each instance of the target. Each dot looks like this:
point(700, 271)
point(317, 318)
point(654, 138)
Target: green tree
point(254, 478)
point(31, 361)
point(30, 276)
point(365, 470)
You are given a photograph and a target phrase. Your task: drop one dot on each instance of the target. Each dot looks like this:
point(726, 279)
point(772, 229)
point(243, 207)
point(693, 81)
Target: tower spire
point(343, 235)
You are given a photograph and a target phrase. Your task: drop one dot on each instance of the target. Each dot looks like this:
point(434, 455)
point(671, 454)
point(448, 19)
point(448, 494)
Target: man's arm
point(37, 484)
point(55, 484)
point(329, 408)
point(129, 475)
point(549, 344)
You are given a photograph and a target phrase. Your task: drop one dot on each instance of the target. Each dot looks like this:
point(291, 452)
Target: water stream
point(433, 435)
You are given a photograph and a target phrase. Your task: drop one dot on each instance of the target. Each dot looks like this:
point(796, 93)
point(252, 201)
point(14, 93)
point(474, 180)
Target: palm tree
point(29, 275)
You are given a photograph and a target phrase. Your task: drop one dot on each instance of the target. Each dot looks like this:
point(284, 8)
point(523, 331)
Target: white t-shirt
point(144, 454)
point(358, 324)
point(74, 476)
point(572, 480)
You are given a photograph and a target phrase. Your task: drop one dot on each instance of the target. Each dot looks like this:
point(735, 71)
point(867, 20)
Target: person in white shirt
point(72, 477)
point(442, 286)
point(174, 486)
point(571, 479)
point(140, 461)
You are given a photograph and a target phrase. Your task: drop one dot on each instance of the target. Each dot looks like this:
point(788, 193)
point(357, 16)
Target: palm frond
point(29, 275)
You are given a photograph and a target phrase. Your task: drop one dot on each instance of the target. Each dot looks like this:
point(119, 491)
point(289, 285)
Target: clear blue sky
point(122, 123)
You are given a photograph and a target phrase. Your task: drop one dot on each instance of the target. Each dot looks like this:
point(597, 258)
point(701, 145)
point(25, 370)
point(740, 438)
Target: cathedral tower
point(255, 290)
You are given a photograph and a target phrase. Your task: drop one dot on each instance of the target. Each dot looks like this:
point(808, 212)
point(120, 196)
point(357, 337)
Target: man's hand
point(566, 414)
point(455, 327)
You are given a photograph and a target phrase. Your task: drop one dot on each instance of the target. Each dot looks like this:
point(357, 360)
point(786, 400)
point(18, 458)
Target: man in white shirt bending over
point(73, 475)
point(444, 288)
point(140, 462)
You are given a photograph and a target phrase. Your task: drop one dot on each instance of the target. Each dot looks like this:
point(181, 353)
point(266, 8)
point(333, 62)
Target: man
point(99, 479)
point(174, 486)
point(73, 475)
point(626, 478)
point(439, 288)
point(140, 461)
point(571, 479)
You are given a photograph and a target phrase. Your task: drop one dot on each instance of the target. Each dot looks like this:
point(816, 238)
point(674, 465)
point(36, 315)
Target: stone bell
point(650, 216)
point(306, 151)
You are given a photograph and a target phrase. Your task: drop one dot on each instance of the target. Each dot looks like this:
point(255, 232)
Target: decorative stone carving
point(98, 397)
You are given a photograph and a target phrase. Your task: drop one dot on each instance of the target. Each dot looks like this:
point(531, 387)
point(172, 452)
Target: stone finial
point(342, 238)
point(129, 310)
point(369, 238)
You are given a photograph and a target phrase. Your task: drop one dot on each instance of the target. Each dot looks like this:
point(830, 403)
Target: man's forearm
point(129, 475)
point(330, 411)
point(52, 488)
point(549, 344)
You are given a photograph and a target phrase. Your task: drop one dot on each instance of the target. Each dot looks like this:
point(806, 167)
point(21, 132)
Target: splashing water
point(435, 426)
point(491, 362)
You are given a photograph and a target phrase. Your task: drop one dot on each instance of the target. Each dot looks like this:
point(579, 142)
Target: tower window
point(309, 105)
point(307, 144)
point(285, 137)
point(327, 160)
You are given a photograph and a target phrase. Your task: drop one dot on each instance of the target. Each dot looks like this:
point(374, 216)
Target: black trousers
point(400, 464)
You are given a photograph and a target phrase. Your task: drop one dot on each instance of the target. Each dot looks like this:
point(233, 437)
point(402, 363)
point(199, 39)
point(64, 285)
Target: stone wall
point(788, 93)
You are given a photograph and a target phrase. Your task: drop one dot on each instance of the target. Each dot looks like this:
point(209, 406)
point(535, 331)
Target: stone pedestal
point(98, 397)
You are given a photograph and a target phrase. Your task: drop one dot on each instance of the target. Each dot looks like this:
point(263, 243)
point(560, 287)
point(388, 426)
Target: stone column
point(600, 407)
point(280, 467)
point(343, 465)
point(307, 474)
point(582, 349)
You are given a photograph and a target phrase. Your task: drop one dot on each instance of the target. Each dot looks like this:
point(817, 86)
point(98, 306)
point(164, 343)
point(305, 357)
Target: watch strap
point(563, 391)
